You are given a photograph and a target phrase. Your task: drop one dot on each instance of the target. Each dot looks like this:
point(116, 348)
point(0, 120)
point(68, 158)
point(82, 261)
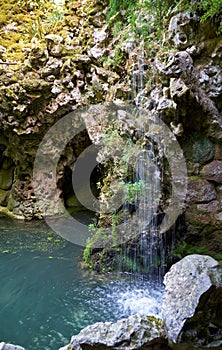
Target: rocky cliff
point(79, 59)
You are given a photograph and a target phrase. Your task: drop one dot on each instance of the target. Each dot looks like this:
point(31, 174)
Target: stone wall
point(61, 72)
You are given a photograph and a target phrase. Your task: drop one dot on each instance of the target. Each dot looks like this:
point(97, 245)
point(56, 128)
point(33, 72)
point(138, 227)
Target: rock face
point(134, 332)
point(84, 64)
point(192, 304)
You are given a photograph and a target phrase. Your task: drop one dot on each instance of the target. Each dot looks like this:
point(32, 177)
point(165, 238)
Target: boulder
point(4, 346)
point(198, 149)
point(134, 332)
point(192, 303)
point(213, 171)
point(200, 190)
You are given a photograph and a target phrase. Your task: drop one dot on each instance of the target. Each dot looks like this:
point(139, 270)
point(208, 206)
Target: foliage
point(116, 6)
point(141, 18)
point(186, 249)
point(133, 190)
point(87, 254)
point(211, 8)
point(149, 17)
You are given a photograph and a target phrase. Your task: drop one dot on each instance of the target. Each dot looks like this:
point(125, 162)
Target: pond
point(45, 295)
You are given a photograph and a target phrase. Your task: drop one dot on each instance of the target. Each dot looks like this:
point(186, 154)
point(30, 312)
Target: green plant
point(184, 249)
point(116, 6)
point(87, 253)
point(211, 8)
point(92, 228)
point(133, 190)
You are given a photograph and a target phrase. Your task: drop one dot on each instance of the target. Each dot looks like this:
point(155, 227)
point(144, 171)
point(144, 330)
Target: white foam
point(142, 301)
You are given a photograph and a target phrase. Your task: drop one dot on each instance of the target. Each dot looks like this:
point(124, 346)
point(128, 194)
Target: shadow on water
point(45, 296)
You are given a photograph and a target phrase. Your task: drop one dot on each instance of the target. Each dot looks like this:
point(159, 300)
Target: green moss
point(30, 19)
point(184, 249)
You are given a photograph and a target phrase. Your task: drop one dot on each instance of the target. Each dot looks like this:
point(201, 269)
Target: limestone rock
point(4, 346)
point(174, 65)
point(192, 302)
point(210, 79)
point(52, 67)
point(182, 29)
point(213, 171)
point(131, 333)
point(178, 89)
point(54, 38)
point(38, 56)
point(200, 190)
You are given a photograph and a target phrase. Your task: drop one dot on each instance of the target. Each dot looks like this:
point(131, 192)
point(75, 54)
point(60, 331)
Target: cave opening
point(79, 151)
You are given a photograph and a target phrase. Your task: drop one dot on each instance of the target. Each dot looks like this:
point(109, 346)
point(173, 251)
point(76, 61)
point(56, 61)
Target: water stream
point(45, 295)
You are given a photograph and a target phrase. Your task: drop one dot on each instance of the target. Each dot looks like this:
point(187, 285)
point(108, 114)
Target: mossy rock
point(6, 178)
point(4, 195)
point(198, 149)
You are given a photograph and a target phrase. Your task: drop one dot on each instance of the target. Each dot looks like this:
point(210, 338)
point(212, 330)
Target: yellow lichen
point(19, 24)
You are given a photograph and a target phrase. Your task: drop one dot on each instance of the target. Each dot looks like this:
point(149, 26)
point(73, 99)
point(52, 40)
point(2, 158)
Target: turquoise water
point(45, 296)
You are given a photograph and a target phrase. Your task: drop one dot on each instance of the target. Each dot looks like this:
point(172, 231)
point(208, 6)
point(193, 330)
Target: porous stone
point(200, 190)
point(213, 171)
point(182, 29)
point(175, 64)
point(192, 302)
point(134, 332)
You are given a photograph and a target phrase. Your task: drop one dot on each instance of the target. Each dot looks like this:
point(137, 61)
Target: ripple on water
point(45, 300)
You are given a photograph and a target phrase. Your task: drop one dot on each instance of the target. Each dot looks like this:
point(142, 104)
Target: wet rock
point(192, 302)
point(200, 190)
point(134, 332)
point(213, 171)
point(167, 106)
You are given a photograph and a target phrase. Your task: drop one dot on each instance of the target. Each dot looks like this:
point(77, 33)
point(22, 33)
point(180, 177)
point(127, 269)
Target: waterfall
point(148, 253)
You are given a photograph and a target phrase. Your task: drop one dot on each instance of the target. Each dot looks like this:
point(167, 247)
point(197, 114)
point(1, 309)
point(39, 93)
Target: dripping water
point(149, 253)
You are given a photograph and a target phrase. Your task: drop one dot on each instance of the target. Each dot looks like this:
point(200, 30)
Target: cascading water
point(148, 251)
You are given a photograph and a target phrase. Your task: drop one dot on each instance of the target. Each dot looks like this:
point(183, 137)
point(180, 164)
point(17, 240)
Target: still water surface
point(45, 296)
